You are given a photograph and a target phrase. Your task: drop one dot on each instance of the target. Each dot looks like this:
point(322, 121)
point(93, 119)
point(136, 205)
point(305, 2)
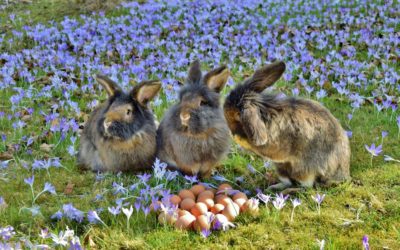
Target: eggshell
point(183, 212)
point(217, 208)
point(223, 199)
point(184, 193)
point(224, 186)
point(187, 204)
point(205, 194)
point(185, 222)
point(231, 211)
point(175, 199)
point(199, 208)
point(197, 189)
point(202, 223)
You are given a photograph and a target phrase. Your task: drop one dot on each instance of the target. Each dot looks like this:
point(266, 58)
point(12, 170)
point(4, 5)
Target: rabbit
point(120, 134)
point(303, 139)
point(193, 136)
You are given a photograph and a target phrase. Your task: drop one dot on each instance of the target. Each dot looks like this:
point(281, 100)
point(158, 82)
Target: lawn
point(344, 54)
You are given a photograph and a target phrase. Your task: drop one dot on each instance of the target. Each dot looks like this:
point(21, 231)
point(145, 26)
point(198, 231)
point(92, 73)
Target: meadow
point(344, 54)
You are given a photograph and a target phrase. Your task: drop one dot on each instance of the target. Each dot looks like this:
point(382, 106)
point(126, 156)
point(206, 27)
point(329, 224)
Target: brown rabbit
point(193, 135)
point(303, 139)
point(120, 134)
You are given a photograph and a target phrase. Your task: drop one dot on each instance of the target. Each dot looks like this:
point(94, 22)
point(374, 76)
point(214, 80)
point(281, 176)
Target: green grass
point(373, 193)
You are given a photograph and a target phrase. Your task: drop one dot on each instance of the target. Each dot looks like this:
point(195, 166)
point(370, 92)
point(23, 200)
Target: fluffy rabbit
point(120, 134)
point(193, 136)
point(303, 139)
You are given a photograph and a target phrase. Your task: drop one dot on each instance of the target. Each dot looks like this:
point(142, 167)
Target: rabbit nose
point(185, 118)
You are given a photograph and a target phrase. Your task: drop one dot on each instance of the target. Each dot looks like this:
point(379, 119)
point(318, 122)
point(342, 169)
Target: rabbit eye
point(203, 103)
point(128, 111)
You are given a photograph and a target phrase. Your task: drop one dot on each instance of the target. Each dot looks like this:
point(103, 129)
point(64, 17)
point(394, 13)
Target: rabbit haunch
point(120, 134)
point(302, 138)
point(193, 135)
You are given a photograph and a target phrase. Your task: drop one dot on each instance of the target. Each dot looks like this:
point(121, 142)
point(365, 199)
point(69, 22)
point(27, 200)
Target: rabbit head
point(125, 113)
point(246, 109)
point(199, 107)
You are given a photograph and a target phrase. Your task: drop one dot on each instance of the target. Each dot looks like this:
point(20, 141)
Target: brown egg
point(213, 190)
point(231, 211)
point(208, 201)
point(223, 199)
point(240, 202)
point(197, 189)
point(187, 204)
point(183, 212)
point(198, 209)
point(205, 194)
point(239, 195)
point(224, 186)
point(185, 222)
point(217, 208)
point(184, 193)
point(202, 223)
point(175, 199)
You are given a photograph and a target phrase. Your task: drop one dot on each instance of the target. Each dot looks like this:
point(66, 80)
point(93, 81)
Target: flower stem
point(291, 215)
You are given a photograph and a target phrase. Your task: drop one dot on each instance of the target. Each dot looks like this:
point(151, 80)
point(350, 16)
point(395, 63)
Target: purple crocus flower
point(49, 188)
point(365, 242)
point(373, 150)
point(30, 180)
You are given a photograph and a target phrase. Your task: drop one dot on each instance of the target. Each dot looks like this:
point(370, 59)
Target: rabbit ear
point(266, 76)
point(253, 125)
point(109, 85)
point(146, 91)
point(217, 78)
point(194, 72)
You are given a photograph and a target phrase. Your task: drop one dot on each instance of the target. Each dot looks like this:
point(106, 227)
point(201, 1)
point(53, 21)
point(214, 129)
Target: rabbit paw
point(278, 187)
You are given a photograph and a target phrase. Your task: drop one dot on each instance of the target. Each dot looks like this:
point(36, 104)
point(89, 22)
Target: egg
point(205, 194)
point(223, 199)
point(208, 201)
point(183, 212)
point(202, 223)
point(199, 208)
point(240, 198)
point(187, 204)
point(185, 222)
point(197, 189)
point(217, 208)
point(221, 219)
point(184, 193)
point(175, 199)
point(231, 211)
point(239, 195)
point(224, 186)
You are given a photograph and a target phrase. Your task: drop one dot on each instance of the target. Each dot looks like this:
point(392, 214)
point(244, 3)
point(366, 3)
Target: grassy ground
point(368, 205)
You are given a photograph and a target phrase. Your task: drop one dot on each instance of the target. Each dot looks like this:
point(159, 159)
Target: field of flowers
point(344, 54)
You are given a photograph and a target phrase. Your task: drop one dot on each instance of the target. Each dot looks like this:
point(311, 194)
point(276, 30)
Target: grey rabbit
point(304, 140)
point(120, 134)
point(193, 135)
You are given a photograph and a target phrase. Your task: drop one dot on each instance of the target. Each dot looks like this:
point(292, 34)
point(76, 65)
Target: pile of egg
point(198, 204)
